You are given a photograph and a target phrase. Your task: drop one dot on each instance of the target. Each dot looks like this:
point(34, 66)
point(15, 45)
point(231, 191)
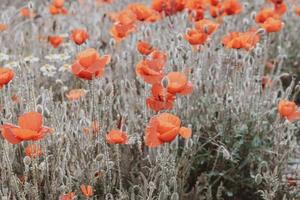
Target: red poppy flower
point(86, 190)
point(89, 65)
point(6, 75)
point(30, 128)
point(163, 128)
point(79, 36)
point(116, 137)
point(144, 48)
point(55, 40)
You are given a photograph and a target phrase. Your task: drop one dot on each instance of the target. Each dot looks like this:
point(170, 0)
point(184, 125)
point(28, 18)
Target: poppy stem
point(119, 167)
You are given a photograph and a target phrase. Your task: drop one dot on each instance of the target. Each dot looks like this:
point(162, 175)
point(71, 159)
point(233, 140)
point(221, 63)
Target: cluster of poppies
point(163, 92)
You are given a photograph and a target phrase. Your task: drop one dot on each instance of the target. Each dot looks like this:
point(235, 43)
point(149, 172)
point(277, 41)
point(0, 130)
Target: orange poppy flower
point(68, 196)
point(141, 12)
point(195, 37)
point(169, 7)
point(55, 40)
point(33, 151)
point(151, 70)
point(89, 65)
point(160, 99)
point(144, 47)
point(238, 40)
point(216, 10)
point(163, 128)
point(264, 14)
point(86, 190)
point(120, 31)
point(206, 26)
point(3, 27)
point(185, 132)
point(195, 4)
point(75, 94)
point(25, 12)
point(124, 17)
point(178, 83)
point(297, 10)
point(281, 8)
point(272, 25)
point(116, 137)
point(79, 36)
point(6, 75)
point(196, 15)
point(58, 3)
point(289, 110)
point(232, 7)
point(30, 128)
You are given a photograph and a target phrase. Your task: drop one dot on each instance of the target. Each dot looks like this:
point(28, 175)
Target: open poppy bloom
point(241, 40)
point(68, 196)
point(79, 36)
point(168, 7)
point(232, 7)
point(120, 31)
point(29, 128)
point(116, 137)
point(195, 37)
point(178, 84)
point(160, 99)
point(6, 75)
point(216, 10)
point(164, 128)
point(152, 70)
point(55, 40)
point(89, 65)
point(272, 25)
point(264, 14)
point(86, 190)
point(57, 7)
point(196, 14)
point(141, 12)
point(33, 151)
point(75, 94)
point(280, 8)
point(289, 110)
point(144, 48)
point(206, 26)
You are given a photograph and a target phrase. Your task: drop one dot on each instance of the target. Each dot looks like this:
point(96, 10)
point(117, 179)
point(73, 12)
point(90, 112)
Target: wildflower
point(232, 7)
point(75, 94)
point(6, 75)
point(185, 132)
point(264, 14)
point(79, 36)
point(168, 7)
point(57, 57)
point(31, 59)
point(238, 40)
point(68, 196)
point(33, 151)
point(29, 128)
point(57, 7)
point(86, 190)
point(144, 48)
point(89, 65)
point(195, 37)
point(141, 12)
point(280, 8)
point(178, 83)
point(55, 40)
point(272, 25)
point(163, 128)
point(206, 26)
point(116, 137)
point(216, 10)
point(120, 31)
point(289, 110)
point(48, 70)
point(160, 99)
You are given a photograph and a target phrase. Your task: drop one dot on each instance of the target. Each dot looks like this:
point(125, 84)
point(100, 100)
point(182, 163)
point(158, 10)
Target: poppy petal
point(31, 120)
point(185, 132)
point(151, 135)
point(9, 135)
point(24, 134)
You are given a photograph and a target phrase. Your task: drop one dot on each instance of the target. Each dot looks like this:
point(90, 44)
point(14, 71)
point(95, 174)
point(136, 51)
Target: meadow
point(149, 99)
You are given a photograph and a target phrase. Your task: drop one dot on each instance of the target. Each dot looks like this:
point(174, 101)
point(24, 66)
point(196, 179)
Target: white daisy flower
point(48, 70)
point(57, 57)
point(31, 59)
